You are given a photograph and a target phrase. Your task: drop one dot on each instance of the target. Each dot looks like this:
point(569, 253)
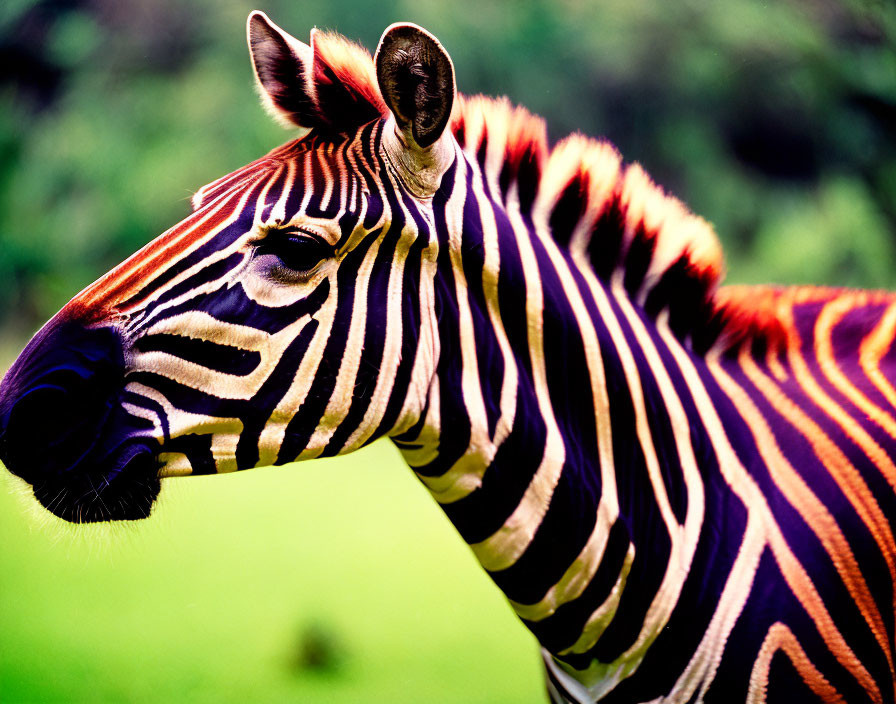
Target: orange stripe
point(773, 362)
point(745, 487)
point(800, 496)
point(827, 320)
point(780, 637)
point(873, 349)
point(842, 470)
point(804, 590)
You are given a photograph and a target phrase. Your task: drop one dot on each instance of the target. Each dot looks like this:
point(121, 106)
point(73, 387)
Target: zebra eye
point(298, 252)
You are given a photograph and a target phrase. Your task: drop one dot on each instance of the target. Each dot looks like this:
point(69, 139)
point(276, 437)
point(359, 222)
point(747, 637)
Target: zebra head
point(290, 316)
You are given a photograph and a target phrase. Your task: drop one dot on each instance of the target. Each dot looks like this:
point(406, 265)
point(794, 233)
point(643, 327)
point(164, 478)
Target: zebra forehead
point(259, 168)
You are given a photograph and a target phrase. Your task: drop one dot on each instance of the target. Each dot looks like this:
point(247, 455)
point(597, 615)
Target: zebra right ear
point(416, 78)
point(282, 67)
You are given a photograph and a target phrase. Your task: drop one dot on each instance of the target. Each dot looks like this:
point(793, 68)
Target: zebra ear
point(282, 69)
point(416, 78)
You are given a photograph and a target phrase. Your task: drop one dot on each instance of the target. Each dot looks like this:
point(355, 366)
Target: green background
point(340, 580)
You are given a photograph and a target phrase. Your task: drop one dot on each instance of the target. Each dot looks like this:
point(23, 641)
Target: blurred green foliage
point(775, 121)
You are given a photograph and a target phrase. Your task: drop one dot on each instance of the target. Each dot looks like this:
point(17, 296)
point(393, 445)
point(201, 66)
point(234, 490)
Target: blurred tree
point(777, 122)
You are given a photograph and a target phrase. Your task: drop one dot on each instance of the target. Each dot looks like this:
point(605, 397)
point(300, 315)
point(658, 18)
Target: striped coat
point(684, 490)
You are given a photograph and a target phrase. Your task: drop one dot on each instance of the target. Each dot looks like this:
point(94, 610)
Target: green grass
point(331, 581)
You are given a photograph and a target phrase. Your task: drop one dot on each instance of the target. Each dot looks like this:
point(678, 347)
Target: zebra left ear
point(416, 78)
point(281, 63)
point(328, 85)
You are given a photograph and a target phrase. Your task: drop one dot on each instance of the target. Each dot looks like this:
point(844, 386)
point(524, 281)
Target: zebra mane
point(608, 215)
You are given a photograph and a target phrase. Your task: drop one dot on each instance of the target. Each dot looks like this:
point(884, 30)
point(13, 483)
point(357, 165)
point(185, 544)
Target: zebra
point(684, 490)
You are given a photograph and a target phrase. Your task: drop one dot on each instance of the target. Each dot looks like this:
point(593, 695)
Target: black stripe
point(212, 355)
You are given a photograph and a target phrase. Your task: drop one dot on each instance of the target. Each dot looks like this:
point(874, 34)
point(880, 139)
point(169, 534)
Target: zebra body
point(685, 492)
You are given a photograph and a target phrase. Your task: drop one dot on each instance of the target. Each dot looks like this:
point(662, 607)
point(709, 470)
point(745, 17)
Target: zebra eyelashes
point(298, 253)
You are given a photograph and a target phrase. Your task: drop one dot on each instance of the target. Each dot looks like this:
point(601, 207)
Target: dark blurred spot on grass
point(320, 649)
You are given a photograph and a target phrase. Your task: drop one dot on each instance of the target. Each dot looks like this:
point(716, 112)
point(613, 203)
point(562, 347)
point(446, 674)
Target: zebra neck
point(553, 436)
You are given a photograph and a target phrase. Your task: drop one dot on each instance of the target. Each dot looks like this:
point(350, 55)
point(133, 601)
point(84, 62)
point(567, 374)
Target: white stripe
point(343, 392)
point(504, 547)
point(466, 474)
point(392, 345)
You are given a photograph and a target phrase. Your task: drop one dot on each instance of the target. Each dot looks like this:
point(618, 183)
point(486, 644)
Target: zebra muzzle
point(64, 431)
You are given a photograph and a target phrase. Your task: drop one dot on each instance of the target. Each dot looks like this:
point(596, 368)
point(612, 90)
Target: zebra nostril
point(45, 427)
point(27, 425)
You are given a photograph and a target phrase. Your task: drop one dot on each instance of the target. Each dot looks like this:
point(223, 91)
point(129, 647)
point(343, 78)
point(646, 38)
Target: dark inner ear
point(281, 71)
point(416, 79)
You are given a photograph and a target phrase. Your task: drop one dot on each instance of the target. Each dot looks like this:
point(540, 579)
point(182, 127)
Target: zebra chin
point(63, 428)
